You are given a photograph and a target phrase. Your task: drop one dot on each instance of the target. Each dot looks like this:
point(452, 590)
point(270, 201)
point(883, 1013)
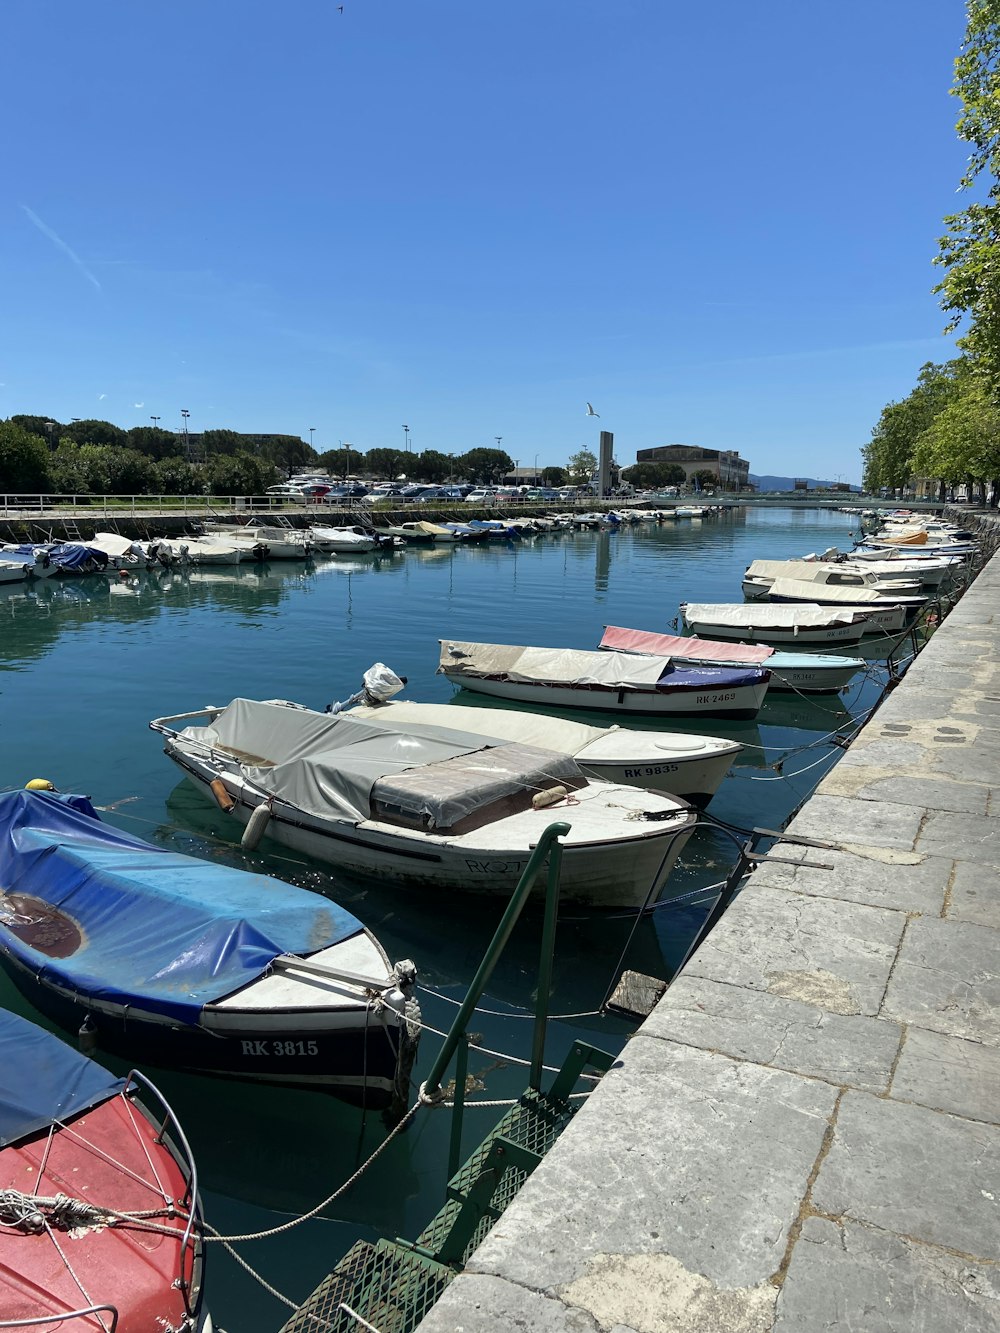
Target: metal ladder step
point(390, 1287)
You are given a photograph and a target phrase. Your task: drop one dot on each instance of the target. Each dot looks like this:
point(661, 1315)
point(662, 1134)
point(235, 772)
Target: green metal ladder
point(392, 1285)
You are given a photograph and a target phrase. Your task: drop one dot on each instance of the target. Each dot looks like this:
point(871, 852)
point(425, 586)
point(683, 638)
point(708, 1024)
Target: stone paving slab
point(481, 1303)
point(834, 954)
point(949, 1074)
point(722, 1209)
point(858, 1278)
point(975, 837)
point(947, 979)
point(975, 895)
point(920, 1173)
point(901, 881)
point(781, 1033)
point(858, 823)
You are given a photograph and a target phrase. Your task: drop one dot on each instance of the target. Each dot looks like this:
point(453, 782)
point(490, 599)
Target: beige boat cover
point(552, 666)
point(802, 590)
point(765, 615)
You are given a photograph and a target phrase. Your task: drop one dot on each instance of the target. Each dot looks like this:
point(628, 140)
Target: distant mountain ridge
point(769, 483)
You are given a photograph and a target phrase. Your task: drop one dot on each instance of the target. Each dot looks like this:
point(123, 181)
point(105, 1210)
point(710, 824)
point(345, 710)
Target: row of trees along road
point(41, 456)
point(948, 426)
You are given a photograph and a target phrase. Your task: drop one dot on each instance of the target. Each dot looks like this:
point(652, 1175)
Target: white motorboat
point(419, 530)
point(805, 673)
point(761, 574)
point(281, 543)
point(441, 811)
point(929, 571)
point(669, 762)
point(802, 624)
point(887, 614)
point(19, 565)
point(607, 682)
point(332, 541)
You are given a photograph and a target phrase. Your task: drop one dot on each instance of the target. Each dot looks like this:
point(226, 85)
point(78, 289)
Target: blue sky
point(716, 223)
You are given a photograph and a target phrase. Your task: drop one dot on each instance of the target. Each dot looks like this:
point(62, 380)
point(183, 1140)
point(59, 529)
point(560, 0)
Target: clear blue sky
point(714, 222)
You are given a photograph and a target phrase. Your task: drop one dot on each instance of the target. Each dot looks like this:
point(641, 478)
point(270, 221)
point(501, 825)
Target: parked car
point(481, 496)
point(285, 492)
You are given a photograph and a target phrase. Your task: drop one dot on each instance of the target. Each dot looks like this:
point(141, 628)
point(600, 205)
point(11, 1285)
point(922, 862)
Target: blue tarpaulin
point(43, 1080)
point(165, 932)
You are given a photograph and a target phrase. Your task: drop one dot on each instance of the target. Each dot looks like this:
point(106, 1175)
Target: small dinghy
point(100, 1223)
point(194, 964)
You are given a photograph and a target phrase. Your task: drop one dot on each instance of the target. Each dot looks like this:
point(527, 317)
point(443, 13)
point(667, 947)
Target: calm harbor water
point(87, 663)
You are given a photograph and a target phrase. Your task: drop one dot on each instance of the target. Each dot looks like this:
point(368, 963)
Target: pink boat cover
point(673, 645)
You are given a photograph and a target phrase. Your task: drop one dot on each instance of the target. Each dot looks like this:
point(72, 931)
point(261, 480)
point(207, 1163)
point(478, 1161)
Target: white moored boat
point(797, 623)
point(887, 613)
point(608, 682)
point(440, 811)
point(419, 530)
point(760, 575)
point(807, 673)
point(669, 762)
point(929, 572)
point(332, 541)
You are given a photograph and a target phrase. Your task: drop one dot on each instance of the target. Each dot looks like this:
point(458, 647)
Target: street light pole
point(312, 432)
point(535, 470)
point(406, 437)
point(187, 439)
point(154, 420)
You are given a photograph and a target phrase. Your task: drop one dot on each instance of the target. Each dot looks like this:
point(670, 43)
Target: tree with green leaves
point(68, 470)
point(24, 460)
point(649, 476)
point(433, 466)
point(484, 465)
point(111, 470)
point(581, 467)
point(889, 461)
point(383, 464)
point(223, 442)
point(92, 431)
point(554, 476)
point(970, 249)
point(176, 476)
point(236, 474)
point(46, 428)
point(153, 442)
point(962, 442)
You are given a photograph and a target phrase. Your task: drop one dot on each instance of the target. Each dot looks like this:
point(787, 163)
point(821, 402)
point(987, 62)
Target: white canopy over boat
point(800, 615)
point(555, 665)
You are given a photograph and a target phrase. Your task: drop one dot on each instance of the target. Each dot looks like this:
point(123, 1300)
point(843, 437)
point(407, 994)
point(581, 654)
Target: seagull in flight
point(591, 412)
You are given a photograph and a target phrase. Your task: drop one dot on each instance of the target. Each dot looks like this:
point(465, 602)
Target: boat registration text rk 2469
point(716, 698)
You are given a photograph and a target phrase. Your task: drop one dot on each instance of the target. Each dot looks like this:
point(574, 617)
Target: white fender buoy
point(256, 825)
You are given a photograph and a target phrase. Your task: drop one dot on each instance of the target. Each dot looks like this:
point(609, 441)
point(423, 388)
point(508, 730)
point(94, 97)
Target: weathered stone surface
point(682, 1153)
point(947, 979)
point(770, 1030)
point(836, 955)
point(973, 837)
point(653, 1293)
point(920, 1173)
point(914, 884)
point(949, 1074)
point(932, 793)
point(858, 823)
point(476, 1303)
point(975, 894)
point(848, 1277)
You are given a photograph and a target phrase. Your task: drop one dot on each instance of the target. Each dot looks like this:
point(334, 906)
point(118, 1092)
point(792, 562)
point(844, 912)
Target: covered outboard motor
point(380, 684)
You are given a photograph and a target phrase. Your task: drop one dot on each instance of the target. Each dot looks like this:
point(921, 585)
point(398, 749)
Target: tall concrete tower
point(604, 464)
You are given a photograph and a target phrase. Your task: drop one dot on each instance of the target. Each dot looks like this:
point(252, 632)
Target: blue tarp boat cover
point(160, 931)
point(70, 556)
point(43, 1080)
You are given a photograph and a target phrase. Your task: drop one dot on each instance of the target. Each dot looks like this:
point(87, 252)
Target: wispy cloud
point(138, 404)
point(60, 244)
point(100, 396)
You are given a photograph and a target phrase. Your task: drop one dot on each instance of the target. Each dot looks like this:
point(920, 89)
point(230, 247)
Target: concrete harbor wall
point(805, 1134)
